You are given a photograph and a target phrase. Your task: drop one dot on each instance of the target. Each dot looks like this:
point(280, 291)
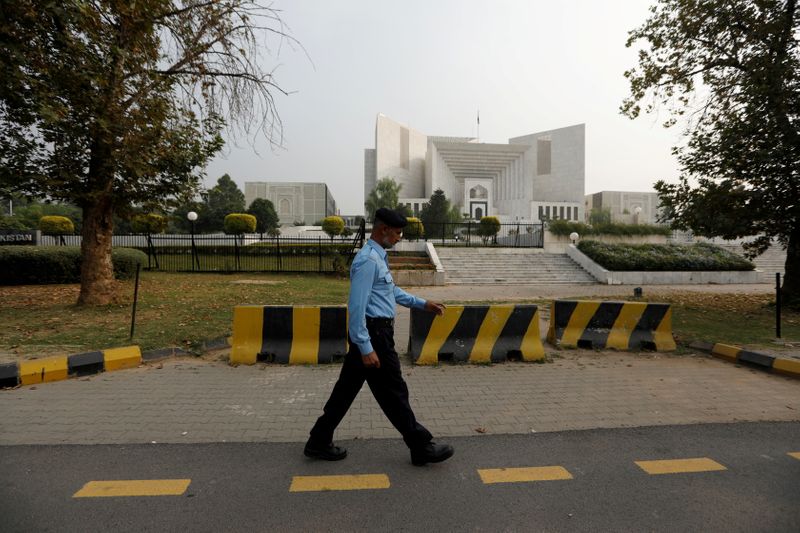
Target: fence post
point(278, 242)
point(135, 299)
point(319, 252)
point(778, 305)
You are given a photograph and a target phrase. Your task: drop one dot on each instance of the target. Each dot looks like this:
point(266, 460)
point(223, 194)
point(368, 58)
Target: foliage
point(730, 70)
point(215, 204)
point(600, 216)
point(26, 265)
point(385, 194)
point(239, 223)
point(55, 225)
point(565, 227)
point(488, 228)
point(266, 216)
point(110, 105)
point(333, 226)
point(415, 229)
point(27, 213)
point(11, 223)
point(438, 210)
point(662, 257)
point(149, 223)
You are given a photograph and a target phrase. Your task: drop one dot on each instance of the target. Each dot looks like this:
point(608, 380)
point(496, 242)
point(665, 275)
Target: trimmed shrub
point(332, 226)
point(239, 223)
point(414, 230)
point(56, 225)
point(40, 265)
point(149, 223)
point(565, 227)
point(488, 227)
point(662, 257)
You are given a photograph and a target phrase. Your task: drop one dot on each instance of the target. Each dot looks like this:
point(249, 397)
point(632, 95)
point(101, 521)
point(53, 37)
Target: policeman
point(372, 357)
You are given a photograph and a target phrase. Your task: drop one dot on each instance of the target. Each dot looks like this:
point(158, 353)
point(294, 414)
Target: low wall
point(557, 244)
point(608, 277)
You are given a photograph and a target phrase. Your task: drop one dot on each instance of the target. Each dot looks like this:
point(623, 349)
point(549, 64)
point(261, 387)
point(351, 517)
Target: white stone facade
point(625, 206)
point(294, 202)
point(525, 179)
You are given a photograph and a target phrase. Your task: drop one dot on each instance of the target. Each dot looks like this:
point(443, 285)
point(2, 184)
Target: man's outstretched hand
point(434, 307)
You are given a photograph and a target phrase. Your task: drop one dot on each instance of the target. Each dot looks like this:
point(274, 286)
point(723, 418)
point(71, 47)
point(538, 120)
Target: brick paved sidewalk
point(202, 401)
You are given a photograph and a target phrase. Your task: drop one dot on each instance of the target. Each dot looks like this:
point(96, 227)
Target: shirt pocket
point(385, 283)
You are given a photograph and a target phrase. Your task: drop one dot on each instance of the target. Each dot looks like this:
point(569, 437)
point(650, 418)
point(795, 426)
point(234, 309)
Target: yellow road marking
point(305, 336)
point(133, 487)
point(726, 352)
point(790, 366)
point(43, 370)
point(248, 324)
point(620, 335)
point(517, 475)
point(680, 466)
point(121, 358)
point(796, 455)
point(491, 327)
point(441, 327)
point(349, 482)
point(583, 313)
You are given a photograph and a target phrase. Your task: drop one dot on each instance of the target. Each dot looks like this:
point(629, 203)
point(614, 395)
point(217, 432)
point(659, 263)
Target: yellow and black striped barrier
point(49, 369)
point(476, 334)
point(295, 335)
point(617, 325)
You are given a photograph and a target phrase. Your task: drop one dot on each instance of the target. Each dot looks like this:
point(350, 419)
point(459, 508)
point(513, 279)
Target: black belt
point(380, 322)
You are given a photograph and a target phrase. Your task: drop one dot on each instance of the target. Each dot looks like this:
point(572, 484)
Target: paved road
point(752, 484)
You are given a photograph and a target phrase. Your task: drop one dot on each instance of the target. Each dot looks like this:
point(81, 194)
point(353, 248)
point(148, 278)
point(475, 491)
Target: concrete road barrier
point(476, 334)
point(617, 325)
point(288, 334)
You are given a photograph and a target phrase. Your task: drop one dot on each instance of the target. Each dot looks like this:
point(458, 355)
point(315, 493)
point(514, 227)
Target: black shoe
point(431, 453)
point(328, 452)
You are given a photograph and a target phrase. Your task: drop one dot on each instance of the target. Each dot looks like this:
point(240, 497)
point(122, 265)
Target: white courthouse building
point(534, 177)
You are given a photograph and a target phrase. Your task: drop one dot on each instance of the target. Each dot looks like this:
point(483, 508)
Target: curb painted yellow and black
point(476, 334)
point(288, 334)
point(49, 369)
point(735, 354)
point(606, 324)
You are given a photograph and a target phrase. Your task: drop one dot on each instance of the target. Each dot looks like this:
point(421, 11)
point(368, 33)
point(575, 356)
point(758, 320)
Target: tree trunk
point(790, 290)
point(97, 271)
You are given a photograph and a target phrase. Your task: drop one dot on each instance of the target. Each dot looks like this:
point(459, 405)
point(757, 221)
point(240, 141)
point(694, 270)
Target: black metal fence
point(262, 253)
point(517, 235)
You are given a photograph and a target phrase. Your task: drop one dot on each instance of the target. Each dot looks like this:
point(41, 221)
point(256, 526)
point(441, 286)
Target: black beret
point(391, 218)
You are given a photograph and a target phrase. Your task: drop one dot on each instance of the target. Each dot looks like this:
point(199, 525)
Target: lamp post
point(636, 211)
point(574, 236)
point(192, 216)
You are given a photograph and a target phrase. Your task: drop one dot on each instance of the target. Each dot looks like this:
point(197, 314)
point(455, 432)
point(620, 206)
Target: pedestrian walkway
point(210, 401)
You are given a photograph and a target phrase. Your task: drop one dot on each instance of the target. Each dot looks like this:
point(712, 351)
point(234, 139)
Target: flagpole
point(479, 125)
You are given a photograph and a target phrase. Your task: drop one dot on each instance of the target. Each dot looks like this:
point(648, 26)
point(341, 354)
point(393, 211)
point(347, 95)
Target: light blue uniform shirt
point(373, 293)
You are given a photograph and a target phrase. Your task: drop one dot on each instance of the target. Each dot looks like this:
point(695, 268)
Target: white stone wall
point(302, 202)
point(566, 181)
point(400, 154)
point(623, 204)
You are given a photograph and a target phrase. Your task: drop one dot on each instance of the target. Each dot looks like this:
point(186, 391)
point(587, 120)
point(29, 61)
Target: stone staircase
point(770, 262)
point(509, 266)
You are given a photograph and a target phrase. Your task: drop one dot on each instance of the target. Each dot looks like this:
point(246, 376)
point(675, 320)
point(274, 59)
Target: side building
point(534, 177)
point(295, 203)
point(625, 206)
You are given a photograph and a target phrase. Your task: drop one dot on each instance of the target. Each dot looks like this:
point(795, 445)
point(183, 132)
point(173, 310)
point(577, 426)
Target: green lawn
point(184, 309)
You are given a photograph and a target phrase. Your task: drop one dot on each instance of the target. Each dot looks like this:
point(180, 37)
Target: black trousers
point(386, 384)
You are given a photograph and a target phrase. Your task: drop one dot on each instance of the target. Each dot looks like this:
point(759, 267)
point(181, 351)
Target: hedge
point(663, 257)
point(56, 225)
point(239, 223)
point(565, 227)
point(39, 265)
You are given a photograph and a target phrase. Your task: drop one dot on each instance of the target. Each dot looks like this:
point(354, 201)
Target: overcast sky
point(528, 65)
